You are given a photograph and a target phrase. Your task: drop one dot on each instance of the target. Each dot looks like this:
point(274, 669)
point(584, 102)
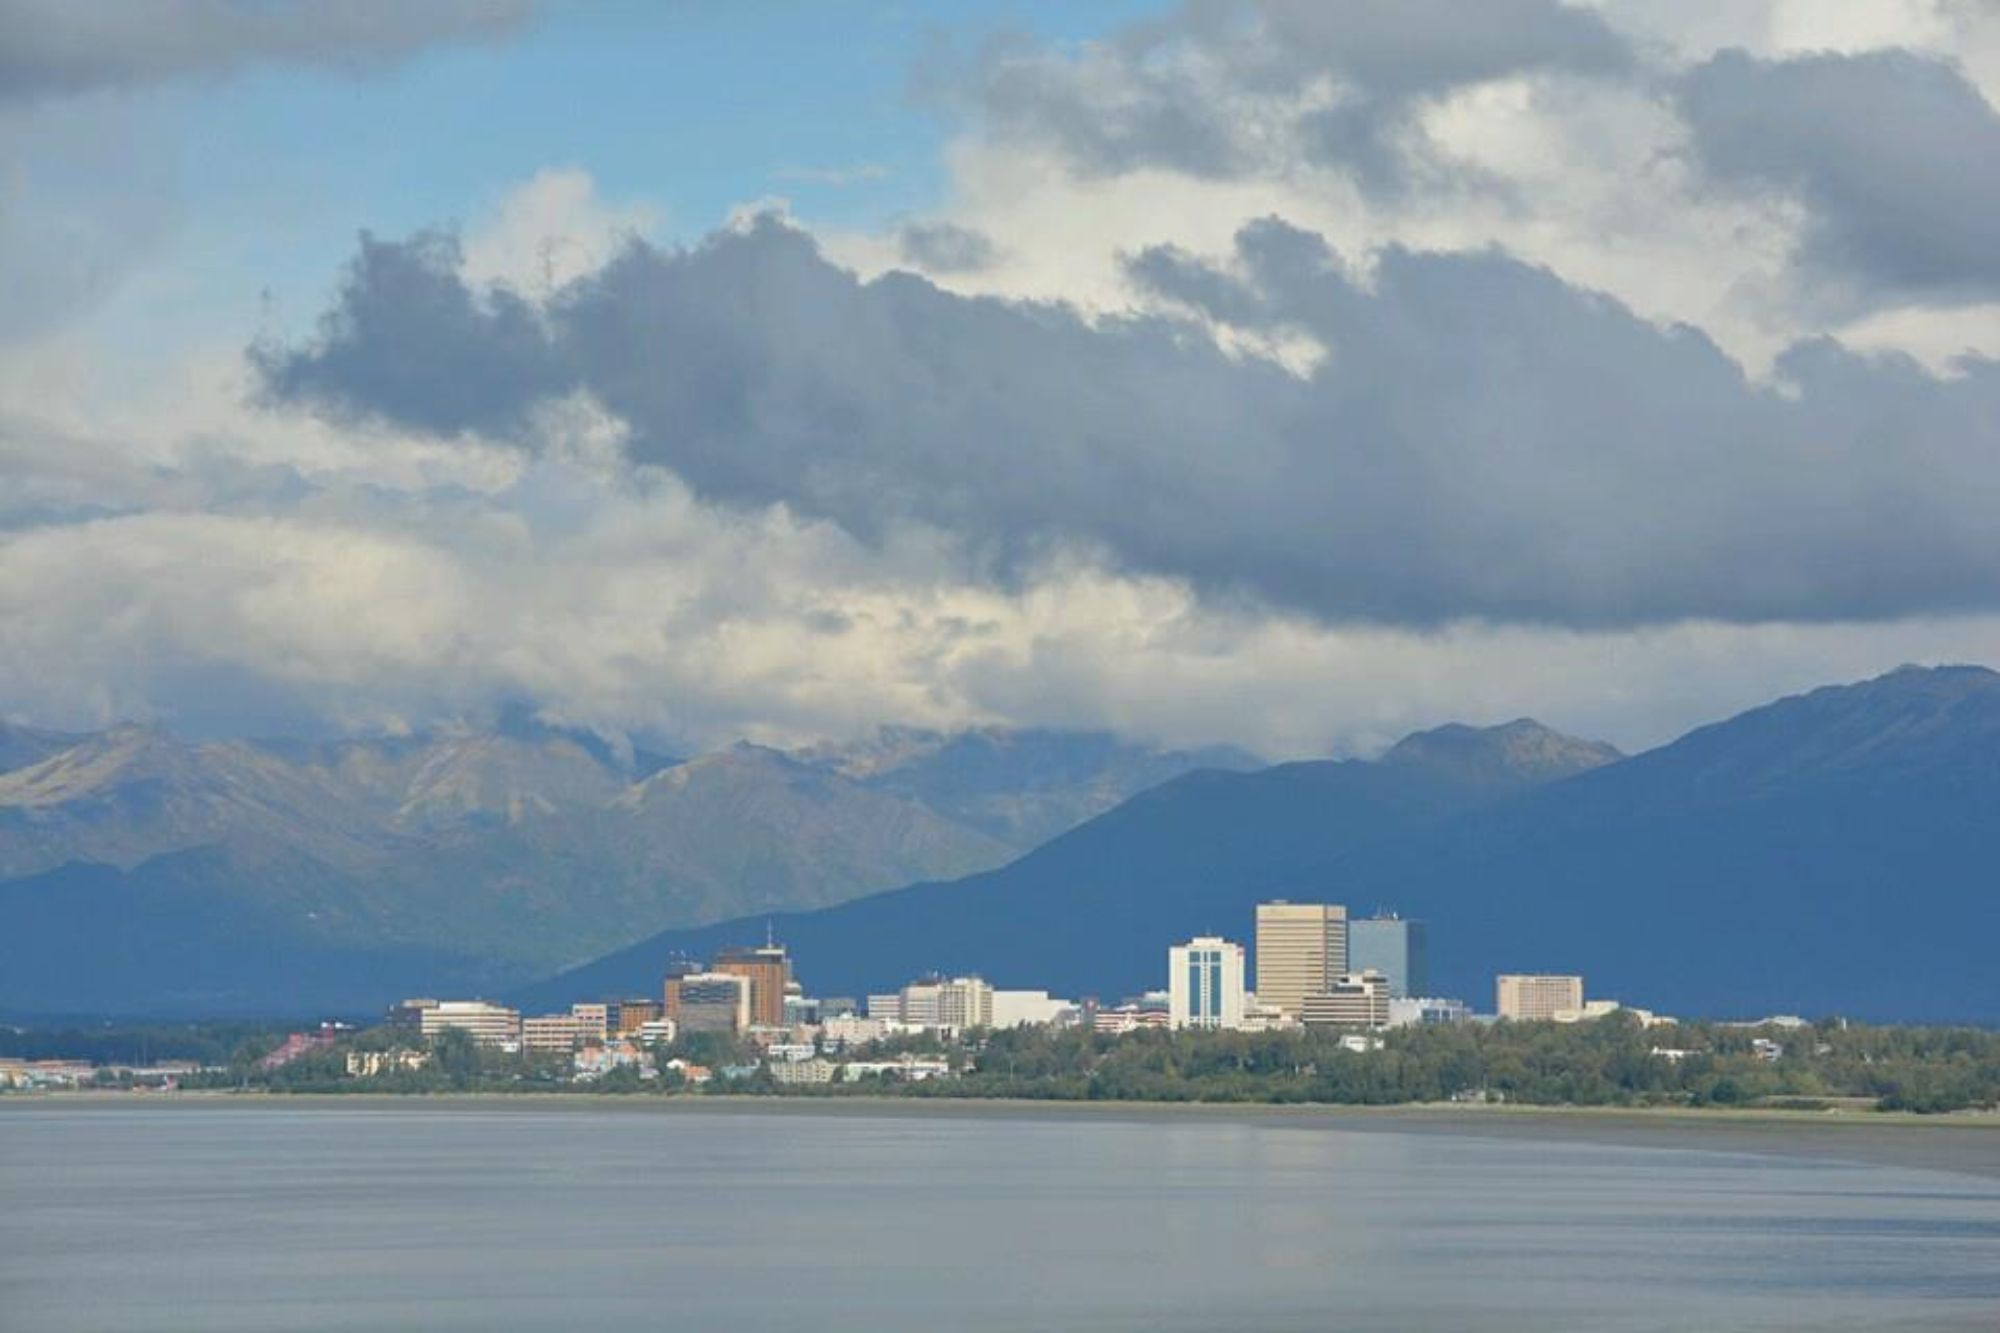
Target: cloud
point(945, 247)
point(1234, 87)
point(1480, 441)
point(412, 343)
point(1895, 157)
point(58, 48)
point(551, 229)
point(622, 603)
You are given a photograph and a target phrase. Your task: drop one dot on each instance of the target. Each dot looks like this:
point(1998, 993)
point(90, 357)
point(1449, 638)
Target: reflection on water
point(425, 1217)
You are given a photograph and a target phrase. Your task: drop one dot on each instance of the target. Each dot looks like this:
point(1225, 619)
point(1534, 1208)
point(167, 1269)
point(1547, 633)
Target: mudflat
point(1962, 1142)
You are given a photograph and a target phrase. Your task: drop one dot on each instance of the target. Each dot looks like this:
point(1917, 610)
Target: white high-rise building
point(1301, 948)
point(1205, 984)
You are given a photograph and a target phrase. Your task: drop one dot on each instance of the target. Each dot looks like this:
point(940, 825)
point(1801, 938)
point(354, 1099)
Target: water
point(312, 1216)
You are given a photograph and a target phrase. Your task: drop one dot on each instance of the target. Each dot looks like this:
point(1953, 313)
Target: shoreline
point(1964, 1143)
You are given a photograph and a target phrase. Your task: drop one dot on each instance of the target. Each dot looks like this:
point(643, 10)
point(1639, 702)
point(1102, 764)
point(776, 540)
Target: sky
point(1284, 373)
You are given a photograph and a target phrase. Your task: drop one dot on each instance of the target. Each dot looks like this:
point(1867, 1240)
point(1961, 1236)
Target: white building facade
point(1205, 984)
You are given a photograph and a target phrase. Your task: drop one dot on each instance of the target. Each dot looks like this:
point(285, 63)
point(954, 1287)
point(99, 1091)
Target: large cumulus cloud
point(1479, 440)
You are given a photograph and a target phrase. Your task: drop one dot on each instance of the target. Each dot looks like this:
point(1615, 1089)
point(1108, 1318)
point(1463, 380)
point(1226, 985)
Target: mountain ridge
point(527, 845)
point(1826, 852)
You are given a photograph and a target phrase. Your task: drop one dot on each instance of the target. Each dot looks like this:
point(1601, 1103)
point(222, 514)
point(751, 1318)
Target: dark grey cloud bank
point(52, 48)
point(1896, 156)
point(1336, 82)
point(1482, 440)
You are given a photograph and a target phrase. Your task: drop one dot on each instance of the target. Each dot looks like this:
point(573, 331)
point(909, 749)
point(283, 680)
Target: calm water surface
point(495, 1218)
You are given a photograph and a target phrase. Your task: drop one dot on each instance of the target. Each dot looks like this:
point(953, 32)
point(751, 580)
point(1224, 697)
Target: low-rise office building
point(373, 1064)
point(954, 1004)
point(1529, 997)
point(1357, 1000)
point(791, 1073)
point(1426, 1011)
point(487, 1024)
point(557, 1032)
point(1029, 1008)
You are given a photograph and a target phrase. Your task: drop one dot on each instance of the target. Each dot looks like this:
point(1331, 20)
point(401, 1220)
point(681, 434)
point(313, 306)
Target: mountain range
point(1833, 852)
point(146, 872)
point(1827, 853)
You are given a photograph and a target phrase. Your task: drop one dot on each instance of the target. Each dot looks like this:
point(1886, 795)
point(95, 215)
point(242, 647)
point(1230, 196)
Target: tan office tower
point(767, 969)
point(1301, 949)
point(1537, 997)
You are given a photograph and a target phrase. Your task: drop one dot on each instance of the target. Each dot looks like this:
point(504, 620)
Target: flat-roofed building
point(1397, 948)
point(557, 1032)
point(1028, 1008)
point(1301, 948)
point(712, 1002)
point(596, 1019)
point(1357, 1000)
point(488, 1024)
point(670, 989)
point(1426, 1011)
point(635, 1013)
point(1531, 997)
point(846, 1030)
point(1126, 1018)
point(813, 1070)
point(1205, 984)
point(769, 973)
point(409, 1014)
point(957, 1004)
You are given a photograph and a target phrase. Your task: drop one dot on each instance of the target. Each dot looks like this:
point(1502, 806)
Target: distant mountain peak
point(1517, 752)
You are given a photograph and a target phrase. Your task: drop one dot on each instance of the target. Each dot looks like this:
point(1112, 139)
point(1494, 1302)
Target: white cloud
point(552, 229)
point(170, 546)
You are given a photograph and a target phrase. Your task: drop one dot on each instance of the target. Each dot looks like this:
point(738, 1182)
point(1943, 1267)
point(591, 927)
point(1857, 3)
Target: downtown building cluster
point(1314, 968)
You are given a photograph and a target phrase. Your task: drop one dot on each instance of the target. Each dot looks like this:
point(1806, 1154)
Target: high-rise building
point(1536, 997)
point(1358, 1000)
point(1205, 984)
point(1398, 949)
point(710, 1002)
point(769, 972)
point(1301, 948)
point(676, 969)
